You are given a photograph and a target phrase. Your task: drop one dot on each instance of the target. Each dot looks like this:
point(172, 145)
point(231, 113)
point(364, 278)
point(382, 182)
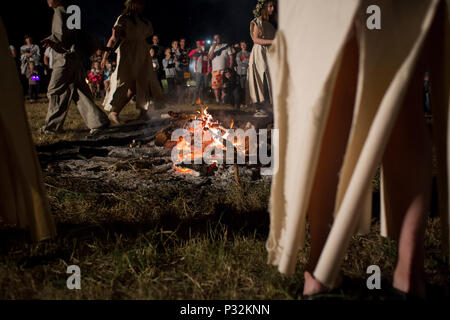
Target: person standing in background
point(242, 61)
point(221, 56)
point(29, 52)
point(170, 64)
point(107, 77)
point(159, 52)
point(184, 70)
point(262, 32)
point(34, 79)
point(201, 71)
point(231, 88)
point(234, 51)
point(156, 65)
point(13, 52)
point(176, 49)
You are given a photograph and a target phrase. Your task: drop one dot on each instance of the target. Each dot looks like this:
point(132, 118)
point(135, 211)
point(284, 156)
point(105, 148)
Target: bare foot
point(313, 286)
point(114, 118)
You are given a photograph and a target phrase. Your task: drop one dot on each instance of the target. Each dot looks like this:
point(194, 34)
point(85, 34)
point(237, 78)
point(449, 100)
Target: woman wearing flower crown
point(262, 32)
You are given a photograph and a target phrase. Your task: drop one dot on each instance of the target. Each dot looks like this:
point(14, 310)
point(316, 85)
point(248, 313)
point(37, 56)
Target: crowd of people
point(133, 67)
point(187, 76)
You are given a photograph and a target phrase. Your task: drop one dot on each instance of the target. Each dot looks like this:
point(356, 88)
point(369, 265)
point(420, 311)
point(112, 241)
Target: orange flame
point(219, 134)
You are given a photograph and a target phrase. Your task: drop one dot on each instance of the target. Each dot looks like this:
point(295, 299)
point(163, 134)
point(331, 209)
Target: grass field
point(170, 243)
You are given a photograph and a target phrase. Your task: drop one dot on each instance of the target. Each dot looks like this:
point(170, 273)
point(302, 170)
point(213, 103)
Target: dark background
point(193, 19)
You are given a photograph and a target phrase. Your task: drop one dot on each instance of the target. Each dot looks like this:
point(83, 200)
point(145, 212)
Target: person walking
point(67, 81)
point(134, 75)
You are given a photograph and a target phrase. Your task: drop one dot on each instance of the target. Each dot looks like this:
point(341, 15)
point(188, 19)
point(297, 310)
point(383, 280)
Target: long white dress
point(134, 68)
point(258, 70)
point(304, 63)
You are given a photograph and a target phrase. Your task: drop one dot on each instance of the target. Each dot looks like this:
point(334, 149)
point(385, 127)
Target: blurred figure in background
point(183, 75)
point(155, 60)
point(242, 61)
point(107, 76)
point(171, 64)
point(231, 88)
point(29, 52)
point(95, 77)
point(159, 52)
point(201, 69)
point(427, 93)
point(221, 56)
point(13, 52)
point(34, 79)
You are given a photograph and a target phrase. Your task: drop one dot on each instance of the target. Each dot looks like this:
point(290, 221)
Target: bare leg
point(407, 169)
point(114, 115)
point(217, 94)
point(408, 175)
point(331, 158)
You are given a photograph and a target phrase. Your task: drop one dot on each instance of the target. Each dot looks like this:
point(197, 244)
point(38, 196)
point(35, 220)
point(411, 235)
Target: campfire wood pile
point(140, 154)
point(214, 135)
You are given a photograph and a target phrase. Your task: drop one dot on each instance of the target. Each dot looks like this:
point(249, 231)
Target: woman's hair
point(130, 10)
point(264, 12)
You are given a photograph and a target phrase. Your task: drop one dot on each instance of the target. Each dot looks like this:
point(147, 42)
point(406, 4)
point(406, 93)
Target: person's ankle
point(412, 283)
point(312, 285)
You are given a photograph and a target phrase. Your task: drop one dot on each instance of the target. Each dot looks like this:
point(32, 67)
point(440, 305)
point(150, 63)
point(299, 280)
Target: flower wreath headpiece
point(259, 7)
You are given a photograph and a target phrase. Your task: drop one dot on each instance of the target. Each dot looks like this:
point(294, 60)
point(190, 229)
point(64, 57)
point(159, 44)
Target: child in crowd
point(231, 88)
point(242, 61)
point(156, 65)
point(170, 64)
point(33, 82)
point(107, 76)
point(95, 79)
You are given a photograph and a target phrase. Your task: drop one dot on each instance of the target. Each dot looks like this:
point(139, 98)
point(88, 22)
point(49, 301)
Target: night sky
point(193, 19)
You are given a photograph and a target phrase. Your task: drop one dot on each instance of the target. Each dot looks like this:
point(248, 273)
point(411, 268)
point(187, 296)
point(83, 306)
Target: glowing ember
point(186, 171)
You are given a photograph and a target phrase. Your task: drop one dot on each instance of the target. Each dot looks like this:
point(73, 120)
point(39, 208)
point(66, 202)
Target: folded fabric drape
point(304, 64)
